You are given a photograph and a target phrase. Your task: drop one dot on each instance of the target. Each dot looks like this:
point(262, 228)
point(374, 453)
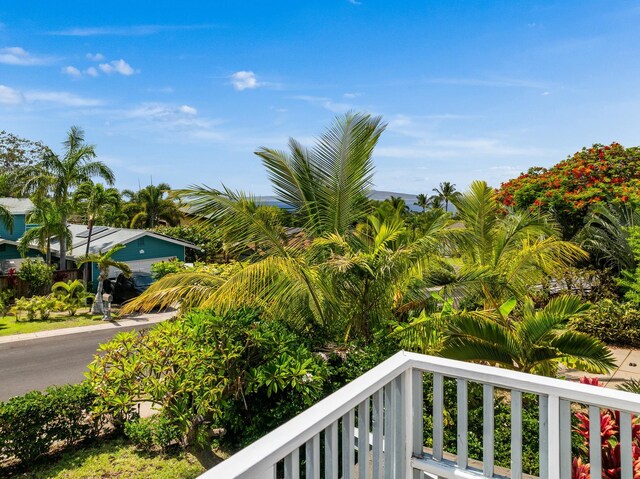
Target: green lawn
point(9, 325)
point(114, 459)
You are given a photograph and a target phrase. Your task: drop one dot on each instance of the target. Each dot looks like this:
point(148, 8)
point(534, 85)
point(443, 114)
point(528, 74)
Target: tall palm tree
point(447, 192)
point(152, 206)
point(6, 218)
point(422, 201)
point(48, 218)
point(537, 341)
point(94, 200)
point(61, 174)
point(504, 255)
point(435, 202)
point(343, 274)
point(104, 261)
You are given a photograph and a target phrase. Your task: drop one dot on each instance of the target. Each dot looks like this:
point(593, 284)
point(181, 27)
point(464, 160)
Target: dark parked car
point(125, 288)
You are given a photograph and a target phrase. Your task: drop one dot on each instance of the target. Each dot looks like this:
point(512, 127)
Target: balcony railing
point(385, 407)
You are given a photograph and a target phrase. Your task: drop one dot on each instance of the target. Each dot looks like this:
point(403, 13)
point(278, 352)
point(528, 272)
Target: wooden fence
point(21, 288)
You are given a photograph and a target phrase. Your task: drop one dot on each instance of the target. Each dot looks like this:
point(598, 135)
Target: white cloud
point(131, 30)
point(91, 71)
point(72, 71)
point(96, 57)
point(352, 95)
point(545, 93)
point(354, 2)
point(244, 80)
point(19, 56)
point(117, 66)
point(60, 98)
point(9, 96)
point(188, 110)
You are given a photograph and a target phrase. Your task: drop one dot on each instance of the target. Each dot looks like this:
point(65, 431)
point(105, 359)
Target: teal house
point(9, 255)
point(142, 247)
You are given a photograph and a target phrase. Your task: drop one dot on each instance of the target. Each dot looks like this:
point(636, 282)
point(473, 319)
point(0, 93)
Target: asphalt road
point(39, 363)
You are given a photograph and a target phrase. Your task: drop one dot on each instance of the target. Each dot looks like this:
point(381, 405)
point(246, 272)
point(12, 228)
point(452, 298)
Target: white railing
point(385, 405)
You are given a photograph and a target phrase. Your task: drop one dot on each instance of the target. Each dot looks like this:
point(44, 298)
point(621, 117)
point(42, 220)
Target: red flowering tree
point(601, 173)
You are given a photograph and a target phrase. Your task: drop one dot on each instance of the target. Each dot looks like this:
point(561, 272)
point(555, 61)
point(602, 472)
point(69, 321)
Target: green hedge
point(31, 424)
point(612, 322)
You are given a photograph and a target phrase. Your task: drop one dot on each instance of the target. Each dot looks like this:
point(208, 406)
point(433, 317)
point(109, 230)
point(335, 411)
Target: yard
point(115, 459)
point(57, 320)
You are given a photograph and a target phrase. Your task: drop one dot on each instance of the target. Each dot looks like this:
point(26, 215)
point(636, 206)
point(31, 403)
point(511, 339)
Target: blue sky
point(184, 92)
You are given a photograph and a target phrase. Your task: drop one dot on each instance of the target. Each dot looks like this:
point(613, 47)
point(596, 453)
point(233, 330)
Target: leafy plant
point(204, 370)
point(36, 273)
point(612, 322)
point(31, 424)
point(163, 268)
point(36, 307)
point(72, 295)
point(5, 301)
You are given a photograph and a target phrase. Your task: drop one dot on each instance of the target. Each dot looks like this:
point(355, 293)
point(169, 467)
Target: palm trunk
point(63, 247)
point(49, 250)
point(85, 272)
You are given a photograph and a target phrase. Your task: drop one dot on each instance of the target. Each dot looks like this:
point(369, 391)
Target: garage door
point(143, 265)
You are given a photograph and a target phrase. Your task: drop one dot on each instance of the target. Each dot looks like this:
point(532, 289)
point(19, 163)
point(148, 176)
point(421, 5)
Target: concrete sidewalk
point(121, 323)
point(628, 367)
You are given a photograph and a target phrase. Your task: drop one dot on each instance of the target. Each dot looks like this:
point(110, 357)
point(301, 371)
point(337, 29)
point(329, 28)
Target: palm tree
point(422, 201)
point(61, 174)
point(104, 261)
point(435, 202)
point(504, 255)
point(48, 218)
point(342, 273)
point(537, 341)
point(6, 218)
point(447, 192)
point(94, 200)
point(152, 207)
point(606, 233)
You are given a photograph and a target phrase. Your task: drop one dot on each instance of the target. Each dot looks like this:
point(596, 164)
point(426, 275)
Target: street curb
point(114, 324)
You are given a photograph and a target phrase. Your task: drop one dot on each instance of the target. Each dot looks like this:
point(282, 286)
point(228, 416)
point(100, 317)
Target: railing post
point(553, 436)
point(417, 405)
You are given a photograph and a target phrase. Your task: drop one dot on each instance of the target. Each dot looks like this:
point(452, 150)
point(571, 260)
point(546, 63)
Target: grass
point(58, 320)
point(115, 459)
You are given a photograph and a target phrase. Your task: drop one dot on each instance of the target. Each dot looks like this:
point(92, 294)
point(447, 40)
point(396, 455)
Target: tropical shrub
point(36, 307)
point(5, 302)
point(31, 424)
point(71, 295)
point(37, 274)
point(209, 371)
point(612, 322)
point(163, 268)
point(610, 440)
point(591, 176)
point(155, 431)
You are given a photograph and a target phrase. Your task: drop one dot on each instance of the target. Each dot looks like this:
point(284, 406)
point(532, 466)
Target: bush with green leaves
point(5, 302)
point(612, 322)
point(36, 308)
point(37, 274)
point(72, 295)
point(31, 424)
point(163, 268)
point(204, 370)
point(156, 431)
